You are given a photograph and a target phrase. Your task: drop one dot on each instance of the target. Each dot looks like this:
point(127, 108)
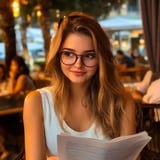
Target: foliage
point(49, 8)
point(95, 8)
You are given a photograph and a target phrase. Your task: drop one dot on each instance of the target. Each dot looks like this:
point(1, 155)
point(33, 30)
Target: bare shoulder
point(33, 103)
point(22, 77)
point(32, 96)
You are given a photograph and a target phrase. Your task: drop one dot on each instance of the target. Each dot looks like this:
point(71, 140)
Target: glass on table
point(129, 86)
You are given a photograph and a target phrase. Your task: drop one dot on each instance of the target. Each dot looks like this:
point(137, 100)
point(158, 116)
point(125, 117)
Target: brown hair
point(105, 93)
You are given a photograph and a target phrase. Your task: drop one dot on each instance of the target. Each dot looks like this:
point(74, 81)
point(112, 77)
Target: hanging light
point(16, 8)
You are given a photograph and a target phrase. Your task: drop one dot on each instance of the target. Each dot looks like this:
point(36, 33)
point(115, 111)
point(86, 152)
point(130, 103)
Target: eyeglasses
point(88, 59)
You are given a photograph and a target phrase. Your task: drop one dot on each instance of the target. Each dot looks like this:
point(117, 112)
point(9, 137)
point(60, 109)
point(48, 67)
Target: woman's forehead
point(78, 42)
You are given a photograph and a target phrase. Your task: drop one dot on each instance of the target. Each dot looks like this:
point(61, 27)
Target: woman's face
point(79, 62)
point(14, 66)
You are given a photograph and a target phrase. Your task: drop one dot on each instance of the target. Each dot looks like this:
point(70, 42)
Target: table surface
point(10, 105)
point(11, 110)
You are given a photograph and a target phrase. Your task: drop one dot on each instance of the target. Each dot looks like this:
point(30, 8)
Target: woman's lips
point(78, 73)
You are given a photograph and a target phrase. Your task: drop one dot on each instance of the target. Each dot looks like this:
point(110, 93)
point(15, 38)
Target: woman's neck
point(78, 90)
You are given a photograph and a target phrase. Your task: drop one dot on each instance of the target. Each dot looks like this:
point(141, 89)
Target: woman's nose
point(79, 62)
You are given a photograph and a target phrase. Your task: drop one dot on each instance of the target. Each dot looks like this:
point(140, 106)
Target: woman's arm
point(33, 127)
point(128, 120)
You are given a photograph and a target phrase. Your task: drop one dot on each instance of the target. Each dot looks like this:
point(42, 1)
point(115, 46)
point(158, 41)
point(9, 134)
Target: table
point(11, 105)
point(135, 73)
point(11, 110)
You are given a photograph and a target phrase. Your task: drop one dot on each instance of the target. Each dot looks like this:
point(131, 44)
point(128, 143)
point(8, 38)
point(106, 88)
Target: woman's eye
point(90, 55)
point(68, 54)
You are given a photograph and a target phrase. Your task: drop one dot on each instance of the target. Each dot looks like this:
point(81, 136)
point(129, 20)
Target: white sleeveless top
point(52, 126)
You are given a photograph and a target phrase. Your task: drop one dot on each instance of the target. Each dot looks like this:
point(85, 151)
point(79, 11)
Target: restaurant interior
point(140, 41)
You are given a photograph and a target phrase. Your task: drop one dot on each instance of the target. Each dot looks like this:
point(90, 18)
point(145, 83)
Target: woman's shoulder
point(32, 108)
point(23, 77)
point(35, 100)
point(32, 101)
point(32, 96)
point(38, 94)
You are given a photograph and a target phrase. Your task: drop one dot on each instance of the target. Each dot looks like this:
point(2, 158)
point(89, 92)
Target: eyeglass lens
point(69, 58)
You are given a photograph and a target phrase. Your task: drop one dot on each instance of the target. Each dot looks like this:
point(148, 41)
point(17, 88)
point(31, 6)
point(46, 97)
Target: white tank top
point(52, 126)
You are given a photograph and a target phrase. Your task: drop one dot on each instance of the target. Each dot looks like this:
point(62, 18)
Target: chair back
point(152, 126)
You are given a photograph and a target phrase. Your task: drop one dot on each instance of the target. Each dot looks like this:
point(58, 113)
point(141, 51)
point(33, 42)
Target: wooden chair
point(148, 123)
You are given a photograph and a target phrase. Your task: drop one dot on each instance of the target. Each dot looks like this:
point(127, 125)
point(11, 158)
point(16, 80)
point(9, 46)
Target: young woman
point(19, 79)
point(86, 99)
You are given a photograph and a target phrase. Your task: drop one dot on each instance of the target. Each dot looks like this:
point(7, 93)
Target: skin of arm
point(33, 127)
point(128, 121)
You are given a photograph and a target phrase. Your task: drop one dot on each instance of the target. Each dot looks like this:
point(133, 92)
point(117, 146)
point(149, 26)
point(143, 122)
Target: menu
point(120, 148)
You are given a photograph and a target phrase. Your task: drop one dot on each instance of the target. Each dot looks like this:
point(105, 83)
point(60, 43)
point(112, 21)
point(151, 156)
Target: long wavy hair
point(105, 92)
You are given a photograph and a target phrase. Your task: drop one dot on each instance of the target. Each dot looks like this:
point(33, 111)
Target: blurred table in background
point(40, 79)
point(14, 104)
point(11, 105)
point(11, 110)
point(133, 73)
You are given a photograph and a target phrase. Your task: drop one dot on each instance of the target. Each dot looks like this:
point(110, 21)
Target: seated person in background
point(138, 59)
point(140, 88)
point(19, 79)
point(123, 60)
point(148, 92)
point(152, 96)
point(19, 83)
point(143, 85)
point(3, 80)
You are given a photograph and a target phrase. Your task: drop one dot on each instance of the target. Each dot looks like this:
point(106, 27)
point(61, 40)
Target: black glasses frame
point(77, 56)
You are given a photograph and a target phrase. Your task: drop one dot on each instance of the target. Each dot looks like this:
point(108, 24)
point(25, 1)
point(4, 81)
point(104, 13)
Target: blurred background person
point(19, 83)
point(147, 91)
point(19, 77)
point(123, 60)
point(138, 58)
point(143, 85)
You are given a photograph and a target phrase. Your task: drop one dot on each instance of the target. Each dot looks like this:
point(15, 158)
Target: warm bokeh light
point(16, 8)
point(38, 13)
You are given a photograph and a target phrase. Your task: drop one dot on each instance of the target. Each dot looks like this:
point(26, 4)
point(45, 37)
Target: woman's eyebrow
point(68, 49)
point(86, 51)
point(73, 50)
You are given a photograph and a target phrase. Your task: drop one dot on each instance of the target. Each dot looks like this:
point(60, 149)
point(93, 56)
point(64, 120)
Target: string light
point(16, 8)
